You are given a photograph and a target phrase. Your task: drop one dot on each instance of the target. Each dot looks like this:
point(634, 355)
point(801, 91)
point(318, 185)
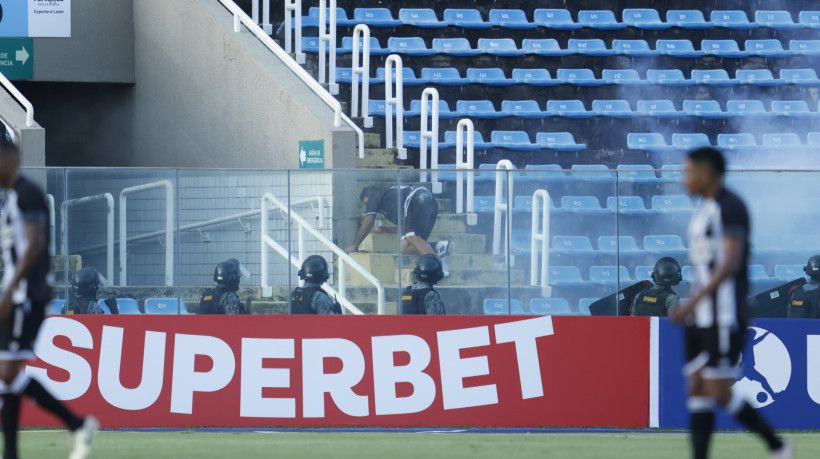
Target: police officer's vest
point(209, 303)
point(805, 304)
point(301, 299)
point(82, 305)
point(412, 300)
point(651, 302)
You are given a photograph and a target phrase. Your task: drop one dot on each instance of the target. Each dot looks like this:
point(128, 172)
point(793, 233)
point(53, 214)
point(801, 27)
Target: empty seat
point(581, 204)
point(810, 19)
point(599, 19)
point(408, 77)
point(420, 17)
point(590, 47)
point(566, 276)
point(484, 204)
point(665, 244)
point(704, 109)
point(550, 307)
point(481, 109)
point(454, 47)
point(489, 76)
point(443, 109)
point(775, 19)
point(644, 272)
point(502, 307)
point(799, 76)
point(805, 47)
point(678, 48)
point(736, 141)
point(533, 77)
point(344, 75)
point(715, 77)
point(465, 18)
point(450, 138)
point(592, 173)
point(499, 47)
point(672, 172)
point(513, 140)
point(573, 244)
point(690, 141)
point(542, 47)
point(643, 18)
point(411, 46)
point(377, 108)
point(671, 203)
point(687, 19)
point(782, 140)
point(624, 77)
point(164, 306)
point(766, 48)
point(520, 242)
point(632, 47)
point(722, 48)
point(535, 172)
point(510, 19)
point(615, 244)
point(55, 307)
point(375, 17)
point(688, 274)
point(788, 272)
point(411, 139)
point(610, 276)
point(555, 19)
point(746, 108)
point(583, 305)
point(442, 76)
point(646, 141)
point(813, 139)
point(612, 108)
point(311, 44)
point(561, 141)
point(658, 108)
point(578, 77)
point(801, 243)
point(124, 306)
point(341, 17)
point(568, 108)
point(347, 46)
point(626, 205)
point(521, 109)
point(759, 77)
point(670, 77)
point(791, 108)
point(733, 19)
point(640, 173)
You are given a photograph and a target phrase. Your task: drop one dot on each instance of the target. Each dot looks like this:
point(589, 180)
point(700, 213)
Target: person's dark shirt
point(388, 202)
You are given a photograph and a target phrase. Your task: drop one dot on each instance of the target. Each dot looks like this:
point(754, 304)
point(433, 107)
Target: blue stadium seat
point(788, 272)
point(566, 276)
point(615, 244)
point(670, 77)
point(344, 75)
point(573, 244)
point(465, 18)
point(766, 48)
point(502, 307)
point(799, 77)
point(450, 138)
point(672, 173)
point(810, 19)
point(610, 276)
point(704, 109)
point(484, 204)
point(420, 17)
point(481, 109)
point(543, 47)
point(688, 274)
point(583, 305)
point(775, 19)
point(813, 139)
point(412, 139)
point(805, 47)
point(164, 306)
point(732, 19)
point(347, 46)
point(443, 109)
point(789, 141)
point(522, 109)
point(454, 47)
point(499, 47)
point(513, 140)
point(55, 307)
point(613, 108)
point(578, 77)
point(447, 172)
point(583, 205)
point(510, 19)
point(715, 77)
point(792, 108)
point(445, 76)
point(592, 173)
point(375, 17)
point(311, 44)
point(643, 18)
point(555, 19)
point(644, 272)
point(568, 108)
point(488, 76)
point(736, 141)
point(533, 77)
point(341, 17)
point(124, 305)
point(407, 73)
point(757, 272)
point(759, 77)
point(377, 108)
point(746, 108)
point(677, 48)
point(690, 141)
point(561, 141)
point(624, 77)
point(803, 244)
point(626, 205)
point(599, 19)
point(410, 46)
point(550, 307)
point(687, 19)
point(722, 48)
point(524, 204)
point(658, 108)
point(520, 242)
point(556, 173)
point(589, 47)
point(665, 245)
point(646, 141)
point(672, 203)
point(636, 173)
point(632, 47)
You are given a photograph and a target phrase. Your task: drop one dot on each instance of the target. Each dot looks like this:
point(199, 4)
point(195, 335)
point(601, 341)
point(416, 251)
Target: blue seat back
point(502, 307)
point(500, 17)
point(674, 46)
point(781, 140)
point(571, 243)
point(474, 106)
point(513, 106)
point(164, 306)
point(690, 141)
point(541, 46)
point(597, 18)
point(662, 243)
point(505, 138)
point(757, 272)
point(588, 45)
point(565, 274)
point(554, 139)
point(788, 272)
point(484, 204)
point(620, 46)
point(580, 203)
point(463, 17)
point(583, 305)
point(645, 140)
point(711, 76)
point(672, 172)
point(774, 18)
point(614, 244)
point(604, 107)
point(640, 17)
point(719, 47)
point(451, 45)
point(373, 15)
point(620, 75)
point(798, 75)
point(752, 76)
point(665, 76)
point(554, 18)
point(656, 106)
point(813, 139)
point(550, 306)
point(736, 140)
point(452, 136)
point(444, 73)
point(406, 44)
point(810, 19)
point(124, 305)
point(568, 106)
point(745, 107)
point(418, 16)
point(488, 74)
point(787, 107)
point(763, 46)
point(672, 202)
point(701, 106)
point(495, 45)
point(55, 307)
point(805, 46)
point(609, 274)
point(571, 75)
point(644, 272)
point(531, 75)
point(730, 18)
point(687, 18)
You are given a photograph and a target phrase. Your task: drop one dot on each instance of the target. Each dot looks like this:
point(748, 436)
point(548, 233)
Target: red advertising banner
point(180, 371)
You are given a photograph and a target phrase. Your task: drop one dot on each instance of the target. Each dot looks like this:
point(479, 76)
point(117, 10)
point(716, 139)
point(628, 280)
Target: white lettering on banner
point(386, 374)
point(315, 382)
point(255, 377)
point(108, 374)
point(523, 333)
point(813, 367)
point(79, 371)
point(454, 369)
point(185, 380)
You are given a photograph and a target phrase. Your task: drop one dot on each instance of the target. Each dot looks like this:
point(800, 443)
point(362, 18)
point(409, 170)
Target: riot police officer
point(421, 297)
point(311, 299)
point(805, 301)
point(660, 300)
point(223, 299)
point(84, 286)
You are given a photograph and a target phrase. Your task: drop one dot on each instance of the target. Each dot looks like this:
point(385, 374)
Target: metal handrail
point(169, 228)
point(461, 163)
point(362, 31)
point(21, 99)
point(293, 13)
point(543, 237)
point(241, 18)
point(431, 132)
point(328, 36)
point(265, 24)
point(398, 101)
point(500, 206)
point(344, 258)
point(52, 245)
point(109, 230)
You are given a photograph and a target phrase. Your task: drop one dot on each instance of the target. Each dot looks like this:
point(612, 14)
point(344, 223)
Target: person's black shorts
point(420, 214)
point(19, 331)
point(715, 351)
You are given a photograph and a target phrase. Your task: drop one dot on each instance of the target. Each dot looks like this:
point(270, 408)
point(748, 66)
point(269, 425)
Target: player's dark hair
point(369, 191)
point(710, 157)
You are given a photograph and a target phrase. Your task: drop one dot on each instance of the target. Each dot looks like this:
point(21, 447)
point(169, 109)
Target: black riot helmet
point(667, 272)
point(314, 269)
point(227, 274)
point(429, 269)
point(86, 282)
point(812, 267)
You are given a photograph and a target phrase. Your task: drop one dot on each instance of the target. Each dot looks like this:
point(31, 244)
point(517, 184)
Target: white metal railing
point(21, 99)
point(109, 230)
point(265, 24)
point(303, 226)
point(169, 228)
point(540, 211)
point(240, 18)
point(429, 109)
point(328, 36)
point(293, 14)
point(52, 246)
point(468, 163)
point(361, 32)
point(500, 206)
point(397, 100)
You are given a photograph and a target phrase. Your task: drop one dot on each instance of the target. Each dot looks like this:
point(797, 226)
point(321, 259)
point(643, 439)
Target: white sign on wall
point(35, 18)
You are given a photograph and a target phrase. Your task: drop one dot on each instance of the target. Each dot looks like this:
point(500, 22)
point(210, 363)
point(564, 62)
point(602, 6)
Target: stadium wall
point(31, 139)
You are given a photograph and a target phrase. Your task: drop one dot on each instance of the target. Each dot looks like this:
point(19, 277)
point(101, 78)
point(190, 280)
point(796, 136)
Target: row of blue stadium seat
point(625, 205)
point(416, 46)
point(780, 140)
point(643, 173)
point(129, 306)
point(561, 19)
point(496, 76)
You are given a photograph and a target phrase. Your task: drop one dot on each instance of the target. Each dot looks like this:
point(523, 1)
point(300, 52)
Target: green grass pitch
point(247, 445)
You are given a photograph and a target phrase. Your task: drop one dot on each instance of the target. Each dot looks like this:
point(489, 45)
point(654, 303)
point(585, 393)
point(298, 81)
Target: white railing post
point(397, 100)
point(327, 33)
point(21, 99)
point(500, 206)
point(52, 245)
point(266, 25)
point(465, 125)
point(293, 19)
point(429, 100)
point(361, 32)
point(169, 228)
point(109, 229)
point(543, 236)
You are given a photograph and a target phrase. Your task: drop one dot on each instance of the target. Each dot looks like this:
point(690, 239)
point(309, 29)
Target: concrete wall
point(32, 140)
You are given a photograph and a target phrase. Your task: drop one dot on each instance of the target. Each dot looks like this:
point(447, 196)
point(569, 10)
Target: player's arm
point(36, 235)
point(364, 230)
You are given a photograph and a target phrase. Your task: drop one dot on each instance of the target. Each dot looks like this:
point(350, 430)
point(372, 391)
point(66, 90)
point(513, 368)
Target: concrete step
point(458, 261)
point(388, 243)
point(380, 158)
point(372, 140)
point(464, 269)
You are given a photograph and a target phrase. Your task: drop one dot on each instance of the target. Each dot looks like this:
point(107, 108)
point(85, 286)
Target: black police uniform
point(657, 301)
point(421, 297)
point(311, 299)
point(805, 301)
point(223, 299)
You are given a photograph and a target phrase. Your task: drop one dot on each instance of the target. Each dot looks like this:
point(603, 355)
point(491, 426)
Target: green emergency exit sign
point(17, 58)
